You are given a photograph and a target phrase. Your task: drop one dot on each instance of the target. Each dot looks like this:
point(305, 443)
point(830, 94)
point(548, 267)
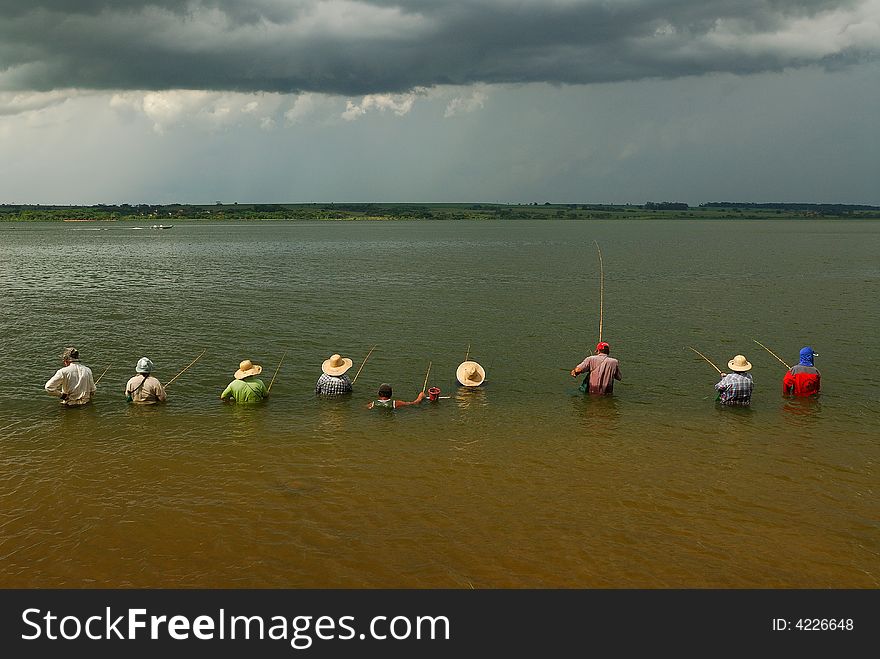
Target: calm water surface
point(524, 483)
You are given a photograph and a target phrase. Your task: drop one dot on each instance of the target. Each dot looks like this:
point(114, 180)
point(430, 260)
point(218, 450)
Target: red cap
point(601, 346)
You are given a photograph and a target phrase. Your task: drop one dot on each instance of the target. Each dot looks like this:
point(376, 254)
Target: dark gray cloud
point(379, 46)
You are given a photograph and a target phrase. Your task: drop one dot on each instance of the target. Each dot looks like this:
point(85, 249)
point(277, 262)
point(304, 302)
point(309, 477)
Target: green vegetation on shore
point(375, 211)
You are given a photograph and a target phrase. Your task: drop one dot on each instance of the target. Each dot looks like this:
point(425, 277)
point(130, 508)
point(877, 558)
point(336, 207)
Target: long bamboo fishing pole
point(707, 359)
point(468, 353)
point(276, 371)
point(362, 364)
point(186, 368)
point(771, 352)
point(102, 375)
point(425, 386)
point(601, 290)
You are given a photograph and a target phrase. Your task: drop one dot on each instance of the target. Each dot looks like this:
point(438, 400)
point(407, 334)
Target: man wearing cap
point(601, 370)
point(246, 387)
point(73, 383)
point(386, 401)
point(333, 380)
point(143, 388)
point(470, 374)
point(802, 379)
point(736, 388)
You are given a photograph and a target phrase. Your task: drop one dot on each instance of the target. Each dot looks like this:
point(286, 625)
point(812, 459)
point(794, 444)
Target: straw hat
point(144, 365)
point(336, 365)
point(470, 374)
point(247, 369)
point(739, 363)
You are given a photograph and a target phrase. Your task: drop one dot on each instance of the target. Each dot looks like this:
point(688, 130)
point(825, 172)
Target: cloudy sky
point(609, 101)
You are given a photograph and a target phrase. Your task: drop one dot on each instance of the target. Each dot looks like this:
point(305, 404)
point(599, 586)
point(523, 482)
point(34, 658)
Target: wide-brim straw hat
point(739, 363)
point(470, 374)
point(336, 365)
point(247, 369)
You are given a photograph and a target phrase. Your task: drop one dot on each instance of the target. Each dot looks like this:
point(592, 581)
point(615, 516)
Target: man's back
point(248, 390)
point(76, 381)
point(801, 380)
point(145, 391)
point(603, 371)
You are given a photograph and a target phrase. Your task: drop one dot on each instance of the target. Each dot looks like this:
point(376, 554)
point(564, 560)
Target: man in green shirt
point(246, 387)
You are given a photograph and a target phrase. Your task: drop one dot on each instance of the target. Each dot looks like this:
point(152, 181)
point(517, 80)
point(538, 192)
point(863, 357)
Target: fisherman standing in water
point(601, 370)
point(736, 388)
point(246, 387)
point(387, 402)
point(803, 378)
point(143, 388)
point(333, 380)
point(74, 383)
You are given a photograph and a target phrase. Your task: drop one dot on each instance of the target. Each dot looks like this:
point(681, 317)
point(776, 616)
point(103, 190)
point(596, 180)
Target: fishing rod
point(102, 375)
point(772, 353)
point(601, 290)
point(362, 364)
point(468, 353)
point(276, 371)
point(707, 359)
point(424, 386)
point(187, 367)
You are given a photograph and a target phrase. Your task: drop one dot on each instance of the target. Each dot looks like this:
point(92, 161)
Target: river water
point(522, 483)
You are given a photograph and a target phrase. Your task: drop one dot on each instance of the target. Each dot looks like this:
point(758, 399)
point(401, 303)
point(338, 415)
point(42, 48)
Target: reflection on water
point(654, 486)
point(598, 413)
point(802, 411)
point(471, 397)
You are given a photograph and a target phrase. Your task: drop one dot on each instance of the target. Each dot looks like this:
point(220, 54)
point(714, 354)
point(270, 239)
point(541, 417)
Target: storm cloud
point(366, 47)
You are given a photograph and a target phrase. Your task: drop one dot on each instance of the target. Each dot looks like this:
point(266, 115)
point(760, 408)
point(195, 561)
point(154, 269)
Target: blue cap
point(807, 355)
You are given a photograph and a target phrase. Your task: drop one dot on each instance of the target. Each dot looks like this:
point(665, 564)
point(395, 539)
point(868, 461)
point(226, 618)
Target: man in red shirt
point(803, 378)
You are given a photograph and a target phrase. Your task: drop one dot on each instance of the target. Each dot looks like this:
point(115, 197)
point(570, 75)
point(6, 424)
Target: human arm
point(583, 367)
point(227, 393)
point(787, 383)
point(404, 403)
point(161, 396)
point(721, 385)
point(55, 384)
point(617, 375)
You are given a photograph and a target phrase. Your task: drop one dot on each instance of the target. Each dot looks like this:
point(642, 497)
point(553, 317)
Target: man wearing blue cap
point(803, 378)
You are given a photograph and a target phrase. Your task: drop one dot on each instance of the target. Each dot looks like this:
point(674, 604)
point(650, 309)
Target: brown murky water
point(525, 483)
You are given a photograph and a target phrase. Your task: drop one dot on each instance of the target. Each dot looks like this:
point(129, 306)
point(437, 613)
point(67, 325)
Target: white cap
point(144, 365)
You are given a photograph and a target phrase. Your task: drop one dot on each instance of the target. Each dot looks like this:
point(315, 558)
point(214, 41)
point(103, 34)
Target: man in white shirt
point(73, 383)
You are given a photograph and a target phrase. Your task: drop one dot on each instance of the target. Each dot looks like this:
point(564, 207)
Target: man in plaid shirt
point(736, 388)
point(333, 380)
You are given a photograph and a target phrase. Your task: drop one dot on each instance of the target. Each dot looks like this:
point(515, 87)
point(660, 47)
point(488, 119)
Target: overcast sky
point(609, 101)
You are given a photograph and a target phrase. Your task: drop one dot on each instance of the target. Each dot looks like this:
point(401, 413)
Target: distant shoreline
point(168, 213)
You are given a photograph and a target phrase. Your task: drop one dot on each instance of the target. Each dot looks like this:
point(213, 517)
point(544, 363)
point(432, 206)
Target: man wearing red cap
point(601, 370)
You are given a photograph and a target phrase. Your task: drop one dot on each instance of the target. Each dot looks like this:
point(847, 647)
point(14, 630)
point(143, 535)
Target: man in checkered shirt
point(736, 388)
point(333, 380)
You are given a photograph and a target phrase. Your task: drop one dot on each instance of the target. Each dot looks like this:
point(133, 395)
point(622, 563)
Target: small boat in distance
point(162, 226)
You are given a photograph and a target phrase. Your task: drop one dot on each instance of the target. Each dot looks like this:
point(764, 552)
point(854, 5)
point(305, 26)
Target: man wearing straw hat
point(143, 388)
point(246, 387)
point(333, 380)
point(736, 388)
point(601, 370)
point(470, 374)
point(74, 383)
point(803, 378)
